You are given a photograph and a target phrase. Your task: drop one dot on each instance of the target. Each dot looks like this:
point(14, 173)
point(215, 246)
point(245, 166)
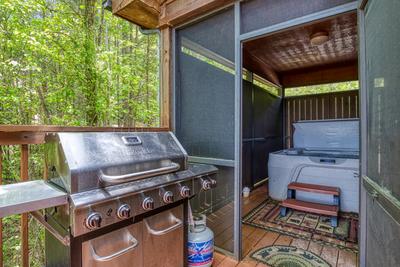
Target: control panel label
point(200, 253)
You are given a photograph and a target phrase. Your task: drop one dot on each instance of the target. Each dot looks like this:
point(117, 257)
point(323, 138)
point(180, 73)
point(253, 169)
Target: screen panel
point(383, 237)
point(257, 14)
point(206, 110)
point(205, 113)
point(247, 99)
point(205, 88)
point(383, 79)
point(262, 131)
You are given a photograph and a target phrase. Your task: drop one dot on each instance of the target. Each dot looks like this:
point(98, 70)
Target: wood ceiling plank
point(291, 49)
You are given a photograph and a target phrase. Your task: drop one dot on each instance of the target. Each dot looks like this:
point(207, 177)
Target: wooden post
point(165, 85)
point(24, 217)
point(1, 221)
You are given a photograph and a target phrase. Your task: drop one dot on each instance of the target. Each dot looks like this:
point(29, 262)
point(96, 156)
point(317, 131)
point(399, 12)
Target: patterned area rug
point(285, 256)
point(307, 226)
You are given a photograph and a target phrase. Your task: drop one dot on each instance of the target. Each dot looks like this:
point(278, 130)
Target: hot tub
point(324, 153)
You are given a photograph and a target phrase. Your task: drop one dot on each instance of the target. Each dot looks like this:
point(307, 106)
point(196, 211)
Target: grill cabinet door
point(122, 247)
point(163, 237)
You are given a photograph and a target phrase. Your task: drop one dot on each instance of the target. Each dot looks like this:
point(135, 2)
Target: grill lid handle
point(116, 179)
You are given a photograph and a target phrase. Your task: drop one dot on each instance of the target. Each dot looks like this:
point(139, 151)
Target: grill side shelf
point(29, 196)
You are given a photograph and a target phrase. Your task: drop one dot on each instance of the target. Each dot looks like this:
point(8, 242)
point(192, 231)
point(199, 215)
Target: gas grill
point(127, 199)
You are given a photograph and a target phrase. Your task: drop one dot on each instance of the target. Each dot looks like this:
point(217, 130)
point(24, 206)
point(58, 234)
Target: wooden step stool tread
point(321, 189)
point(322, 209)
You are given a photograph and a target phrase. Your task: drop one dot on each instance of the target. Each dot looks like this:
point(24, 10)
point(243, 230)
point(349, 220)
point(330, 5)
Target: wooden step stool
point(322, 209)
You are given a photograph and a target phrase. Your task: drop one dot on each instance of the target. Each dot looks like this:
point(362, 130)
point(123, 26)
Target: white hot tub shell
point(324, 153)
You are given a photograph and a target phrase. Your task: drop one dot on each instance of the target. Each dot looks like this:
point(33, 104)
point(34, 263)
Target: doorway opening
point(300, 157)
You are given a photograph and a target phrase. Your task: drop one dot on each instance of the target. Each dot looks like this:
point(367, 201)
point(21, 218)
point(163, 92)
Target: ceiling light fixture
point(319, 38)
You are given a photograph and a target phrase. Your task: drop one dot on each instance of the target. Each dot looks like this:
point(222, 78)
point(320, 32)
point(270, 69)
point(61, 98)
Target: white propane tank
point(200, 244)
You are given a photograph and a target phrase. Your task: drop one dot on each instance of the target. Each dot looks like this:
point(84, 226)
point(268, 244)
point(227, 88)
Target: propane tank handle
point(200, 225)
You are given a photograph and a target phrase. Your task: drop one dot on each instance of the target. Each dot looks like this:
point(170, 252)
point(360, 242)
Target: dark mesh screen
point(382, 43)
point(256, 14)
point(262, 131)
point(383, 77)
point(205, 112)
point(205, 92)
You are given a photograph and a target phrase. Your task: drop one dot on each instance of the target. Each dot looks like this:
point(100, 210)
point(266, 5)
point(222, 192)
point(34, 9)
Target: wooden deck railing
point(24, 137)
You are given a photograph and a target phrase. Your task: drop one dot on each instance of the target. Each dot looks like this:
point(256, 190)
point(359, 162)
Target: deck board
point(346, 258)
point(330, 254)
point(300, 243)
point(228, 262)
point(283, 240)
point(315, 248)
point(255, 238)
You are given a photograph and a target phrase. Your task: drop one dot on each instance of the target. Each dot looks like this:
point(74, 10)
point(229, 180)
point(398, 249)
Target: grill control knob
point(185, 191)
point(124, 211)
point(148, 203)
point(93, 221)
point(206, 184)
point(168, 197)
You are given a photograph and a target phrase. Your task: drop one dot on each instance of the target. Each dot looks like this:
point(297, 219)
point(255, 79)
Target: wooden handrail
point(34, 134)
point(55, 128)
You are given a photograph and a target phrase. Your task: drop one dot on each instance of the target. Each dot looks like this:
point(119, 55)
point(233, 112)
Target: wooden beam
point(141, 12)
point(35, 134)
point(177, 12)
point(320, 75)
point(164, 13)
point(24, 217)
point(18, 138)
point(166, 73)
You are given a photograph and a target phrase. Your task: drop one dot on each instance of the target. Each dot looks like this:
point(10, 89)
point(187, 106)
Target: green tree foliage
point(72, 63)
point(68, 62)
point(321, 88)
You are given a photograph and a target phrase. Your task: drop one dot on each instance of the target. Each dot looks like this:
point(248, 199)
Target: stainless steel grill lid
point(85, 161)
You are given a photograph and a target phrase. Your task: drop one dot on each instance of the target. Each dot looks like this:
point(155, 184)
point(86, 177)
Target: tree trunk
point(89, 62)
point(147, 73)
